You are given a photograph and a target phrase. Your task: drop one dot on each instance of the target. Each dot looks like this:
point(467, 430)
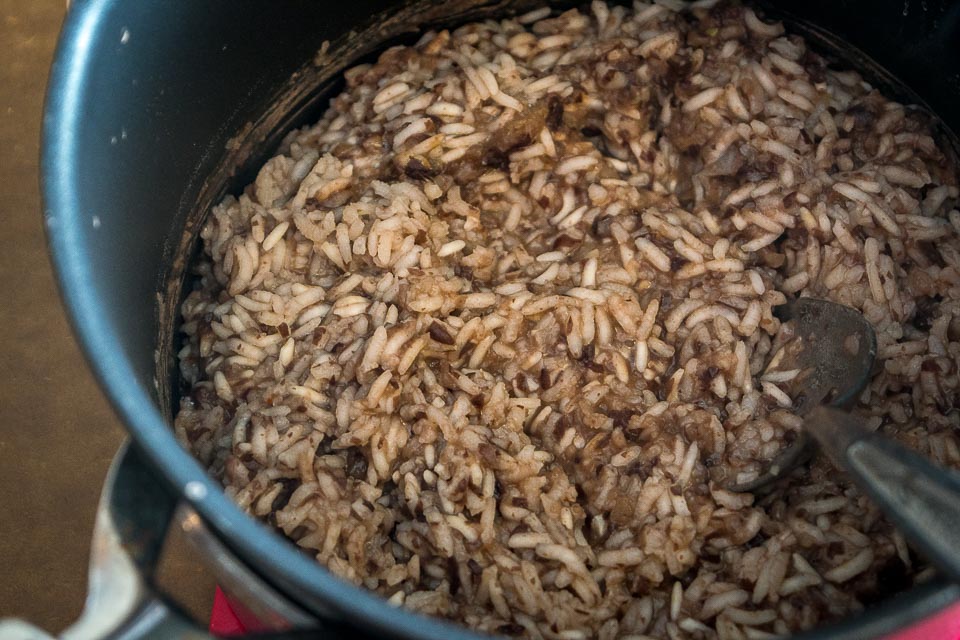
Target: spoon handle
point(922, 500)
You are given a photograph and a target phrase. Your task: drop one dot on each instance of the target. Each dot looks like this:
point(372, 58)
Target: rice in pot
point(493, 335)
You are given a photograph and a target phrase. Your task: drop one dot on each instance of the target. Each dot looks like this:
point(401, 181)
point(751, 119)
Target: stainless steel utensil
point(837, 349)
point(921, 499)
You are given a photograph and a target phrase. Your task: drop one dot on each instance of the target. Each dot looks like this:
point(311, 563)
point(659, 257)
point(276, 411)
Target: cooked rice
point(492, 337)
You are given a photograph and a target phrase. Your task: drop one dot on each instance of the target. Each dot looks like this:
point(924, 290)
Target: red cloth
point(943, 626)
point(223, 621)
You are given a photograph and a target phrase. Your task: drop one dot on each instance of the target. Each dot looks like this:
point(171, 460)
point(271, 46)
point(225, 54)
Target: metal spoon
point(922, 500)
point(837, 347)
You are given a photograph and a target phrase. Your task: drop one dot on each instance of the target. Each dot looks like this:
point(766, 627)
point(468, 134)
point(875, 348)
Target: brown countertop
point(57, 432)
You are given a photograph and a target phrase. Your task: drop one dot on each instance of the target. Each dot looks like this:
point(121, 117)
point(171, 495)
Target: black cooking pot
point(154, 111)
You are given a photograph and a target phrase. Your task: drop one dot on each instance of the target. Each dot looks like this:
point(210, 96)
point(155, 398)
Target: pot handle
point(131, 523)
point(132, 520)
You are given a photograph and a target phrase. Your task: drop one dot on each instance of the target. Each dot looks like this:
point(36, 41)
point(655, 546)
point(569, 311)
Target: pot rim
point(273, 556)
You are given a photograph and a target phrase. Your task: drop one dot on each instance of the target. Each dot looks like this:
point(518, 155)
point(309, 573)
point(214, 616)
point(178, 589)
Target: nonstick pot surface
point(155, 110)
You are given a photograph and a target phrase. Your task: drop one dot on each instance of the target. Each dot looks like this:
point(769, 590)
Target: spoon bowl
point(834, 347)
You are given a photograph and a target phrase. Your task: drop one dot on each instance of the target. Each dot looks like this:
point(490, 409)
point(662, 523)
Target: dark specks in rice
point(493, 335)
